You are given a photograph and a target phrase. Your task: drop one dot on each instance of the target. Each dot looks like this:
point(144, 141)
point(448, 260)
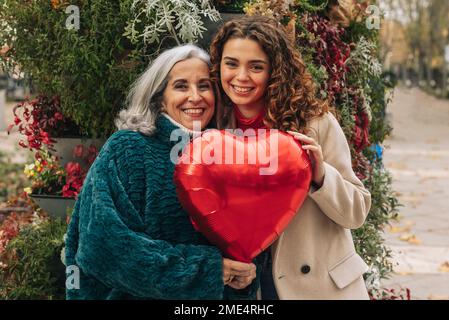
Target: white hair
point(145, 97)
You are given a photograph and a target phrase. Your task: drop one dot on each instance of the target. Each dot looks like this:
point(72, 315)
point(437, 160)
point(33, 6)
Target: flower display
point(330, 51)
point(48, 177)
point(11, 226)
point(74, 180)
point(40, 120)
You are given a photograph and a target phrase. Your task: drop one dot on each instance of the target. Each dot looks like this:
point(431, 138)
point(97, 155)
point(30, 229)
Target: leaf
point(409, 223)
point(410, 238)
point(398, 229)
point(444, 267)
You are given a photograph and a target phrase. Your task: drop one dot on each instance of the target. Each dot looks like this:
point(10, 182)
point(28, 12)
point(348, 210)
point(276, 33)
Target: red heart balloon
point(241, 191)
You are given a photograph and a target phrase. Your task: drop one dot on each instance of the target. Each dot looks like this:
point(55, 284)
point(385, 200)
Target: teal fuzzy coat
point(129, 235)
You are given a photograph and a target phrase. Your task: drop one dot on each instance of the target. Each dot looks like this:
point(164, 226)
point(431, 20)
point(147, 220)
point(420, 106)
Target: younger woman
point(265, 84)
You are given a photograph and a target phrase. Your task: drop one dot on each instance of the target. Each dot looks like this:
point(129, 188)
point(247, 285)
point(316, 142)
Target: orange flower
point(56, 4)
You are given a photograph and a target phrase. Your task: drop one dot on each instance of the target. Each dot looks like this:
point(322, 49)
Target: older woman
point(129, 236)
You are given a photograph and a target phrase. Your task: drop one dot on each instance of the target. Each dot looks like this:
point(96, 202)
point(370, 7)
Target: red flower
point(331, 51)
point(92, 153)
point(78, 151)
point(74, 180)
point(361, 132)
point(40, 119)
point(66, 192)
point(10, 228)
point(72, 168)
point(45, 137)
point(58, 116)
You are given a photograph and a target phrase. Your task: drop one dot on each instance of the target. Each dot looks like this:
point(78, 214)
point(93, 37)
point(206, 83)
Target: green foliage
point(368, 239)
point(380, 96)
point(346, 112)
point(311, 5)
point(230, 6)
point(366, 75)
point(319, 75)
point(90, 69)
point(33, 263)
point(358, 29)
point(154, 21)
point(364, 90)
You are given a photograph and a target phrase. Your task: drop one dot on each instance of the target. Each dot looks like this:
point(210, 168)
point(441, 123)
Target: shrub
point(31, 265)
point(90, 69)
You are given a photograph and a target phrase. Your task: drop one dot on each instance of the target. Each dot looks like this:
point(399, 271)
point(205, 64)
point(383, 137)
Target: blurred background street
point(417, 156)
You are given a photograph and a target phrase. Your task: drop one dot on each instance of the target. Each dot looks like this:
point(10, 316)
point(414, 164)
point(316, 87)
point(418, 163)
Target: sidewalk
point(417, 156)
point(9, 143)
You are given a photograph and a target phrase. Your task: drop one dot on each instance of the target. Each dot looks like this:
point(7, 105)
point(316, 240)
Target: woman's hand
point(238, 275)
point(315, 153)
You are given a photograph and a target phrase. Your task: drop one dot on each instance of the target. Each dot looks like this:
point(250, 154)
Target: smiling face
point(245, 71)
point(189, 95)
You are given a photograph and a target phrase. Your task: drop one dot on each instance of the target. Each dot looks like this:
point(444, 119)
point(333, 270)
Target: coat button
point(305, 269)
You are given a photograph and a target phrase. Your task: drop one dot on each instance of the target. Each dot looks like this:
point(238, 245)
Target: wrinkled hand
point(238, 275)
point(315, 153)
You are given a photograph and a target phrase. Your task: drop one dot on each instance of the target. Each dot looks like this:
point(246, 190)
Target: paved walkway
point(417, 155)
point(9, 143)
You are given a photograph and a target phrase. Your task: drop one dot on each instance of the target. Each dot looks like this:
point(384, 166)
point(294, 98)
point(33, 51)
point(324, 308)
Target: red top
point(249, 123)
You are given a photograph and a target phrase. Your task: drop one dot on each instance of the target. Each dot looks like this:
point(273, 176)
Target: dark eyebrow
point(251, 61)
point(179, 80)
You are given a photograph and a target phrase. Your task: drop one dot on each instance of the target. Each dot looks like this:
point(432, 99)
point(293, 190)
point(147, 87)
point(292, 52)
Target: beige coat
point(315, 258)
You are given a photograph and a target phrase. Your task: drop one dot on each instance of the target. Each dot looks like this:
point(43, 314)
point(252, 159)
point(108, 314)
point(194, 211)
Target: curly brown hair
point(291, 93)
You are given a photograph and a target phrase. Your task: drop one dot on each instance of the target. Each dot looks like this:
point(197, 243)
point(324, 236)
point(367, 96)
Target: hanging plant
point(40, 120)
point(330, 51)
point(158, 20)
point(281, 10)
point(344, 12)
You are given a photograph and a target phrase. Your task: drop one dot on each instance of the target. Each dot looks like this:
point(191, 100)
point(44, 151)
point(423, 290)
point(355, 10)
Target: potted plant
point(44, 126)
point(53, 187)
point(59, 169)
point(48, 179)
